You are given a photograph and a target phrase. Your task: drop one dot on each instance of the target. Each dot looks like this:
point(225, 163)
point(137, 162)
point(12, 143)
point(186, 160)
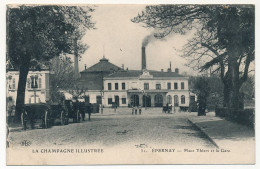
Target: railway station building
point(108, 84)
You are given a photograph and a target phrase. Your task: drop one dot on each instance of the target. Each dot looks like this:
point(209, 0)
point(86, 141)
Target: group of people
point(136, 109)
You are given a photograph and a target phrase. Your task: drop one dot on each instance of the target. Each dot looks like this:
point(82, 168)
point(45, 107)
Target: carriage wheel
point(46, 120)
point(62, 118)
point(23, 121)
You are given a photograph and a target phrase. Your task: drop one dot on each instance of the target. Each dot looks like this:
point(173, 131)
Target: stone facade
point(38, 79)
point(146, 90)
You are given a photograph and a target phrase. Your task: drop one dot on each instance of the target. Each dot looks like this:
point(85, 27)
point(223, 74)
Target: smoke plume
point(148, 39)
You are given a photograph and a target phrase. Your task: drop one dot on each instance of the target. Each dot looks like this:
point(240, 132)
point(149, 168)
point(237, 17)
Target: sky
point(120, 41)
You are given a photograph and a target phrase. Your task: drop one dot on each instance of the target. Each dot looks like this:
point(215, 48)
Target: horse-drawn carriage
point(167, 108)
point(48, 113)
point(35, 112)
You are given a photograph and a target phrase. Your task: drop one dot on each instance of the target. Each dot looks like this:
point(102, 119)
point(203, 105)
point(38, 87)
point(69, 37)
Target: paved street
point(111, 129)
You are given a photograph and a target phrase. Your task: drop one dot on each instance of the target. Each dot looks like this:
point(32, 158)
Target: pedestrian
point(140, 110)
point(10, 110)
point(89, 109)
point(133, 110)
point(82, 110)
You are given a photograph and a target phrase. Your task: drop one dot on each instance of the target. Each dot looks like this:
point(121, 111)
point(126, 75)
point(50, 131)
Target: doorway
point(158, 100)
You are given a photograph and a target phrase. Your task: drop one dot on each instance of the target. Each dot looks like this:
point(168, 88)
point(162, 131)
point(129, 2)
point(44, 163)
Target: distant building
point(109, 84)
point(146, 88)
point(37, 86)
point(91, 79)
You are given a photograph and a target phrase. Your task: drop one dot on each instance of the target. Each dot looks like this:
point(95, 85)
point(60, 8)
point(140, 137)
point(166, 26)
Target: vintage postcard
point(101, 84)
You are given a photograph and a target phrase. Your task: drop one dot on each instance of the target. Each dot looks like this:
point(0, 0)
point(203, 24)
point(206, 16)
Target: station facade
point(109, 85)
point(146, 89)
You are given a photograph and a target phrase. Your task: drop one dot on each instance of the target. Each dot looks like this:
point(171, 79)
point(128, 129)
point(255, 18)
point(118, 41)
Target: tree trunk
point(226, 96)
point(233, 68)
point(24, 69)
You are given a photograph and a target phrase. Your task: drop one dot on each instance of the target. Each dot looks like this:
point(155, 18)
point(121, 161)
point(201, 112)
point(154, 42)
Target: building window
point(109, 86)
point(175, 85)
point(182, 85)
point(123, 86)
point(182, 99)
point(13, 83)
point(169, 99)
point(34, 81)
point(123, 100)
point(109, 100)
point(169, 86)
point(176, 100)
point(146, 86)
point(40, 83)
point(98, 99)
point(158, 86)
point(116, 86)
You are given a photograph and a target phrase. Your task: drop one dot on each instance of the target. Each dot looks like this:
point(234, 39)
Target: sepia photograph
point(124, 84)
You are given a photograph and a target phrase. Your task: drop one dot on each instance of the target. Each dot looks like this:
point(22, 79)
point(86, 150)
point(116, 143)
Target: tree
point(62, 75)
point(202, 89)
point(36, 34)
point(225, 38)
point(215, 97)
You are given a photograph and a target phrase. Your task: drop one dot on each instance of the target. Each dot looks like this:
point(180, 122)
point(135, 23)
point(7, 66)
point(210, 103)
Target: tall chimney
point(143, 58)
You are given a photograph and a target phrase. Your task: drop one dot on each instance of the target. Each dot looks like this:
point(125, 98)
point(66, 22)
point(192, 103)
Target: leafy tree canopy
point(39, 33)
point(225, 38)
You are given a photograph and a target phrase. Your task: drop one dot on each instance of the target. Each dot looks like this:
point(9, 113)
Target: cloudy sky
point(120, 41)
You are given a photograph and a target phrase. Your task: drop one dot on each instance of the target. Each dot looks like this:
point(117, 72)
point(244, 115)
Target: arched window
point(169, 99)
point(176, 100)
point(158, 100)
point(182, 99)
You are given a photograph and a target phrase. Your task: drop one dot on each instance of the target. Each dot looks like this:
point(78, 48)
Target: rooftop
point(137, 73)
point(102, 66)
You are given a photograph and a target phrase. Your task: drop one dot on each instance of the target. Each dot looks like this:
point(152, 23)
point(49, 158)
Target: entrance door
point(135, 100)
point(176, 101)
point(158, 100)
point(117, 100)
point(147, 101)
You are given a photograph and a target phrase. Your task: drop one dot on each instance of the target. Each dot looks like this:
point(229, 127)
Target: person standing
point(10, 110)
